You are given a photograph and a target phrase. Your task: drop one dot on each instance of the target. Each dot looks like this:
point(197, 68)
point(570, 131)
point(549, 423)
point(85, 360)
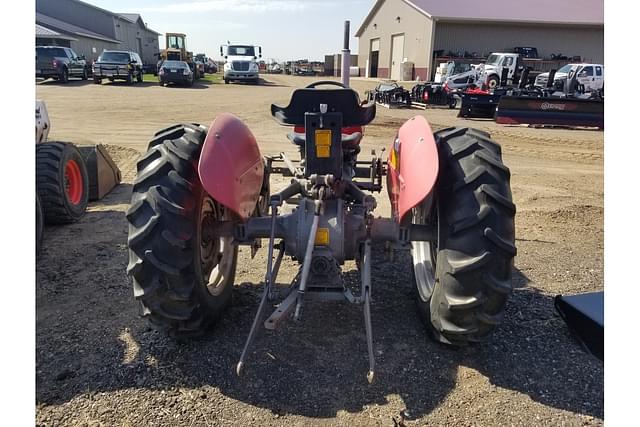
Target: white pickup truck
point(589, 75)
point(240, 63)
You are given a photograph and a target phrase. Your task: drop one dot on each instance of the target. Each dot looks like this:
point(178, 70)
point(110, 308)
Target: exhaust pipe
point(346, 55)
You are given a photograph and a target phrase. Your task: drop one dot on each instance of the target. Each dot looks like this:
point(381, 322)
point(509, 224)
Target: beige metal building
point(424, 32)
point(89, 30)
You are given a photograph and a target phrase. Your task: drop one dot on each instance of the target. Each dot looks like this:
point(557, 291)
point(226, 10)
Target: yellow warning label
point(322, 237)
point(323, 137)
point(323, 152)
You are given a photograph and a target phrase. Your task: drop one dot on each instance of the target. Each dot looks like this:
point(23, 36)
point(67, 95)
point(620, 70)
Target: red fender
point(231, 167)
point(412, 167)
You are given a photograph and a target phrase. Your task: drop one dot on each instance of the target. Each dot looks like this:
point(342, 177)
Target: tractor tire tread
point(161, 235)
point(476, 248)
point(50, 182)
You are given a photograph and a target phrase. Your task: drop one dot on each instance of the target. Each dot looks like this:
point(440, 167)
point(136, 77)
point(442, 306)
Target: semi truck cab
point(241, 63)
point(491, 70)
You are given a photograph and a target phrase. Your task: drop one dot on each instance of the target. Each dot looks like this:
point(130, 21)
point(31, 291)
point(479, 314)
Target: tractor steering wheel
point(326, 82)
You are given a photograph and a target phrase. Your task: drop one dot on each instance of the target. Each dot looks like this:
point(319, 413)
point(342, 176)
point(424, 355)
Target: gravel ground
point(99, 364)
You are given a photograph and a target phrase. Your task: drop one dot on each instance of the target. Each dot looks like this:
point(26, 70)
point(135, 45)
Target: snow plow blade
point(551, 111)
point(584, 315)
point(103, 173)
point(481, 106)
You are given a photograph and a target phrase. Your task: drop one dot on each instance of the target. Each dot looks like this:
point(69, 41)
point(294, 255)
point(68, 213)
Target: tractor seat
point(348, 140)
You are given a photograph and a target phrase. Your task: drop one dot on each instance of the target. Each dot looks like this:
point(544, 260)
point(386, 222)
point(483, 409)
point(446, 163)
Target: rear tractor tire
point(463, 280)
point(182, 275)
point(62, 182)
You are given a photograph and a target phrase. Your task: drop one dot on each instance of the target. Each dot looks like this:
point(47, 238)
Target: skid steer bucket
point(103, 173)
point(584, 314)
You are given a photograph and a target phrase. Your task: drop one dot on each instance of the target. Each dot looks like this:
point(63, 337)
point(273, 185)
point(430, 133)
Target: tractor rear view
point(202, 191)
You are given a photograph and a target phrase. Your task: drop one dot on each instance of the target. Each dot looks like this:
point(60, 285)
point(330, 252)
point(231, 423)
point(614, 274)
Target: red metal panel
point(412, 166)
point(231, 167)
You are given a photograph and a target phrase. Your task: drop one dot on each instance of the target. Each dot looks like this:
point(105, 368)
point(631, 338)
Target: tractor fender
point(412, 166)
point(231, 168)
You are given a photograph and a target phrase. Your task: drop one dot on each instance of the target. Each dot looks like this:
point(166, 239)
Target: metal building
point(89, 30)
point(423, 32)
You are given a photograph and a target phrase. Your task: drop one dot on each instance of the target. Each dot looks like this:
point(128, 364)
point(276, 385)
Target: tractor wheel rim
point(216, 253)
point(424, 257)
point(74, 186)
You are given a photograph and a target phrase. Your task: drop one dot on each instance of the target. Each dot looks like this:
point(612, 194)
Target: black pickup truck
point(60, 63)
point(118, 65)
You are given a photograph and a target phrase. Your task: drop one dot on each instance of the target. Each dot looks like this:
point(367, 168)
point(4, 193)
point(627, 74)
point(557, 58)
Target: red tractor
point(203, 191)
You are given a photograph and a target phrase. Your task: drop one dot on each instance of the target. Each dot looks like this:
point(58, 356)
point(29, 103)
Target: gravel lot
point(99, 364)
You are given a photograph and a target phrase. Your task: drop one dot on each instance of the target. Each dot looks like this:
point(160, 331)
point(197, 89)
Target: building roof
point(70, 28)
point(131, 17)
point(568, 12)
point(108, 12)
point(135, 17)
point(48, 33)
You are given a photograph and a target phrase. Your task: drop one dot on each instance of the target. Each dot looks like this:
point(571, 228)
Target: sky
point(286, 29)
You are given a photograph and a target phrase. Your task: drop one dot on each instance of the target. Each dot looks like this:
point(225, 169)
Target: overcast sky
point(286, 29)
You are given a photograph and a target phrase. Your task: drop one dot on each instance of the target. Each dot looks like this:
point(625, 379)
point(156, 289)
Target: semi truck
point(241, 63)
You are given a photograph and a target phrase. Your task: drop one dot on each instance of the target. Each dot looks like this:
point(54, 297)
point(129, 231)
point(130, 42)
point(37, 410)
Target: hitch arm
point(366, 288)
point(269, 279)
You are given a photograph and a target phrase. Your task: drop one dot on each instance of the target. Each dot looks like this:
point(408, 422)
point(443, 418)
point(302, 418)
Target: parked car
point(175, 72)
point(589, 75)
point(118, 65)
point(60, 63)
